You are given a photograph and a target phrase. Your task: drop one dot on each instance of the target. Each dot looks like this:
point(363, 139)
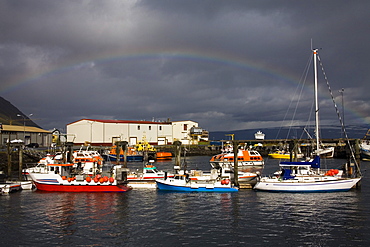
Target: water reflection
point(310, 218)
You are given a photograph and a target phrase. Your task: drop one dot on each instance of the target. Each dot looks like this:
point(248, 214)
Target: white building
point(107, 132)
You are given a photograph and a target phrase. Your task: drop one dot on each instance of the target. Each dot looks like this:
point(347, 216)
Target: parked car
point(33, 145)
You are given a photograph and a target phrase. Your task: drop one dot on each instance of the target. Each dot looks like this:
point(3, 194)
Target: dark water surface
point(156, 218)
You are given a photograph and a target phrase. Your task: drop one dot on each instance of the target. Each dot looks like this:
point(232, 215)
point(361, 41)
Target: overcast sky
point(228, 65)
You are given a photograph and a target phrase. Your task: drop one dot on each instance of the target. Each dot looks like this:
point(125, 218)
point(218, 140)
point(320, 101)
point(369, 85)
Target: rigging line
point(338, 114)
point(308, 122)
point(302, 78)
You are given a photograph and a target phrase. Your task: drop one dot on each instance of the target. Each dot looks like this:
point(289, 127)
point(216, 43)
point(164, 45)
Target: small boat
point(246, 157)
point(162, 155)
point(365, 146)
point(7, 188)
point(259, 135)
point(325, 152)
point(281, 154)
point(306, 177)
point(24, 184)
point(322, 150)
point(67, 178)
point(182, 183)
point(132, 155)
point(146, 177)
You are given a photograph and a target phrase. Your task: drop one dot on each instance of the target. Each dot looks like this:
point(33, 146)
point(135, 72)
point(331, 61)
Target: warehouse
point(106, 132)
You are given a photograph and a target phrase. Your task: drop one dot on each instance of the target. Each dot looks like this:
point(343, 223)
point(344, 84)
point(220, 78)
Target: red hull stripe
point(82, 188)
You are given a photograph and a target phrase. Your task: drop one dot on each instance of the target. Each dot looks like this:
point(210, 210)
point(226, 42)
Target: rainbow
point(218, 58)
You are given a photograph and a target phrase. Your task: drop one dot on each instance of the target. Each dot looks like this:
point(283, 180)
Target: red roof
point(120, 121)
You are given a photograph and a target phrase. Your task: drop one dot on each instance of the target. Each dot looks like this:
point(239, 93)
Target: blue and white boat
point(183, 183)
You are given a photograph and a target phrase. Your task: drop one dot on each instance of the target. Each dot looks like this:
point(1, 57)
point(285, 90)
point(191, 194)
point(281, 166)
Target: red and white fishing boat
point(66, 178)
point(81, 175)
point(90, 161)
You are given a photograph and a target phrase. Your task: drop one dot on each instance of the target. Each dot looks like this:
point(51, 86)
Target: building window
point(150, 127)
point(138, 127)
point(160, 127)
point(185, 127)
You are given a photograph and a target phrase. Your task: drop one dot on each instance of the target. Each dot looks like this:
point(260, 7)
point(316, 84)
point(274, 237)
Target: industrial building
point(106, 132)
point(29, 135)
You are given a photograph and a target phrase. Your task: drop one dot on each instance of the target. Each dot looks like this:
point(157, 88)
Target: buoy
point(64, 177)
point(88, 179)
point(223, 181)
point(69, 180)
point(101, 180)
point(111, 180)
point(105, 178)
point(98, 176)
point(96, 180)
point(227, 181)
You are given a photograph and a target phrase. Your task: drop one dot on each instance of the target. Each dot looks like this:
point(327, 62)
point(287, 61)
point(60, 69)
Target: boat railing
point(40, 168)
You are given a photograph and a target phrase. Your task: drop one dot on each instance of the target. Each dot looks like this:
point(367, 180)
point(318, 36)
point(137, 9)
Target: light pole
point(342, 92)
point(24, 126)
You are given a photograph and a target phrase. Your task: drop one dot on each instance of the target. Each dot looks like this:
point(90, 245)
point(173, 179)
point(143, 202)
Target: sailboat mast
point(316, 100)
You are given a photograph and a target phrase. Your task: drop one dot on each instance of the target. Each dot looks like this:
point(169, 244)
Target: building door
point(133, 141)
point(162, 141)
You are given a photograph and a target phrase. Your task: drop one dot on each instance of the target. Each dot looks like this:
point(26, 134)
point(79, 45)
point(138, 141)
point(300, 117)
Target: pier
point(269, 145)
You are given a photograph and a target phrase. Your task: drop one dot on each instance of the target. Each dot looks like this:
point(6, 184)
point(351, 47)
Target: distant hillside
point(327, 132)
point(8, 114)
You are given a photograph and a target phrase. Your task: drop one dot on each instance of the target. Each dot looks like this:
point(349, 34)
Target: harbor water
point(147, 217)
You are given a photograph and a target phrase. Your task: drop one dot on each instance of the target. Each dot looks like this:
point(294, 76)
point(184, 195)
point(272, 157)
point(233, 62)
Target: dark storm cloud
point(225, 64)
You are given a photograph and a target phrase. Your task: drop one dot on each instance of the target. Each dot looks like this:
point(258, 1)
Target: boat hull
point(81, 188)
point(130, 158)
point(200, 188)
point(142, 184)
point(163, 155)
point(283, 156)
point(9, 188)
point(325, 186)
point(365, 151)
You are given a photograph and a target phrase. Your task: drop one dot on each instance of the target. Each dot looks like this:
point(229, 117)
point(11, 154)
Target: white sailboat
point(307, 176)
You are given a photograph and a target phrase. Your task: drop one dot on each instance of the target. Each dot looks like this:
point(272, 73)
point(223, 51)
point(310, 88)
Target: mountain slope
point(8, 114)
